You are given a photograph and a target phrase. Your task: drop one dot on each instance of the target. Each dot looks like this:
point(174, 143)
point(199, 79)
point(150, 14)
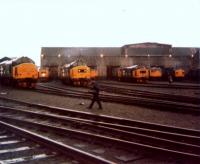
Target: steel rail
point(137, 131)
point(155, 85)
point(148, 94)
point(146, 102)
point(84, 157)
point(109, 119)
point(127, 144)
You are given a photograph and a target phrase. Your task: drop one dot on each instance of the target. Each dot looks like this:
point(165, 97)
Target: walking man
point(170, 79)
point(95, 91)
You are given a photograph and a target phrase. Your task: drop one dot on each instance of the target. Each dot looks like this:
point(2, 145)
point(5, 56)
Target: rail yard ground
point(112, 109)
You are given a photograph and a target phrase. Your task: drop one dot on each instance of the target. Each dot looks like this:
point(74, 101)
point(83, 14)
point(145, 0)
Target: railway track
point(178, 143)
point(149, 94)
point(134, 98)
point(122, 90)
point(18, 145)
point(154, 85)
point(15, 148)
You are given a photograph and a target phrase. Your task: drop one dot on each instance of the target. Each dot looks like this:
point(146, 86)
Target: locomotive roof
point(155, 67)
point(4, 59)
point(75, 62)
point(70, 64)
point(134, 67)
point(17, 61)
point(131, 67)
point(6, 62)
point(22, 59)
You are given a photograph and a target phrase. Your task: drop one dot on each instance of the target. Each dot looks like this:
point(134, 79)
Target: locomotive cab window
point(82, 71)
point(142, 71)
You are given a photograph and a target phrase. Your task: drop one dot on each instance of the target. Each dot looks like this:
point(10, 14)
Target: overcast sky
point(28, 25)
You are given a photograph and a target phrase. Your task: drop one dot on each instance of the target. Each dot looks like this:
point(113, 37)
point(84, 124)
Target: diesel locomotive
point(133, 73)
point(43, 74)
point(155, 73)
point(20, 72)
point(75, 74)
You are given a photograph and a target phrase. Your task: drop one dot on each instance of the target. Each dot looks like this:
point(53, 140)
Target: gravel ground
point(112, 109)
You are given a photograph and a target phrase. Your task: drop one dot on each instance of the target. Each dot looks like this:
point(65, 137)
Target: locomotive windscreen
point(82, 70)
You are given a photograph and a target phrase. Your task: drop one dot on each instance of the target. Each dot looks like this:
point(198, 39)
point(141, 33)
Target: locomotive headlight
point(43, 74)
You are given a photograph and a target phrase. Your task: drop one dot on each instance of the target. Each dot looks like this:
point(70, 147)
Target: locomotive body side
point(93, 74)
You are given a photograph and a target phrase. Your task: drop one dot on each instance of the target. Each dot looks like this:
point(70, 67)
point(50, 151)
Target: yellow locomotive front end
point(140, 74)
point(179, 73)
point(25, 74)
point(43, 74)
point(155, 73)
point(80, 75)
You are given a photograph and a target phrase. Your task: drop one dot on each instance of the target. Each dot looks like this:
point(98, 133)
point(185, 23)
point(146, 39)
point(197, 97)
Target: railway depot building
point(105, 58)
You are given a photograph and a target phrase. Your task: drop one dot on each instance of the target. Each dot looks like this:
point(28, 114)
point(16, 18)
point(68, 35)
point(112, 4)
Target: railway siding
point(190, 153)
